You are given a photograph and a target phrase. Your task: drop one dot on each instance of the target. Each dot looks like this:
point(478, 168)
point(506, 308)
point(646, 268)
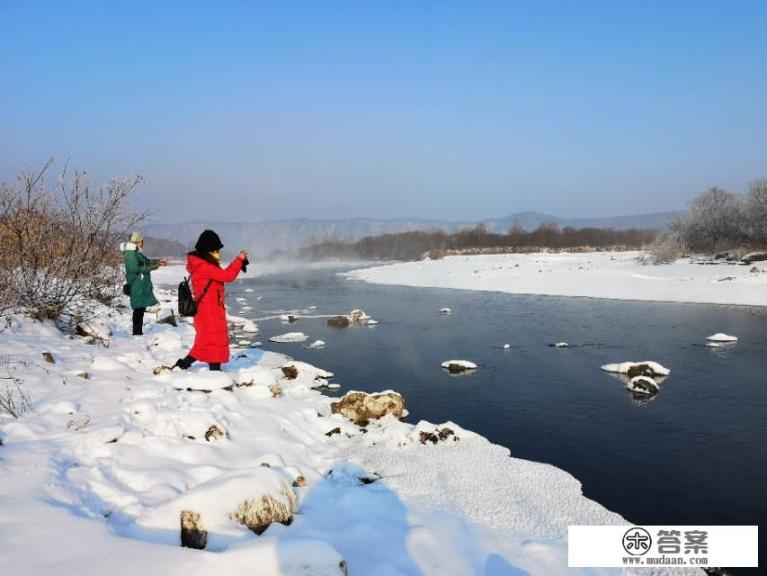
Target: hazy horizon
point(256, 112)
point(154, 220)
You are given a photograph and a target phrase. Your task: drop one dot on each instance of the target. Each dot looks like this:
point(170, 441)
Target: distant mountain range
point(278, 238)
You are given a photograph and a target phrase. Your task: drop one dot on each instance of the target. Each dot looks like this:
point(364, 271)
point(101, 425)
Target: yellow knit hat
point(137, 237)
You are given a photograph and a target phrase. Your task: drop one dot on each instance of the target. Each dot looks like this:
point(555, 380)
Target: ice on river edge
point(103, 497)
point(615, 275)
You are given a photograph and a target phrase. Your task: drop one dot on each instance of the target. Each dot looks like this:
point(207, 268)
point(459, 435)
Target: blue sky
point(449, 110)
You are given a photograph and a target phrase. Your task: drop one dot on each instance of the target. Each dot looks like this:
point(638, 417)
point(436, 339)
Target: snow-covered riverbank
point(93, 478)
point(617, 275)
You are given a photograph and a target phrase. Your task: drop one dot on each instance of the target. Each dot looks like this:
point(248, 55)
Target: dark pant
point(185, 363)
point(138, 321)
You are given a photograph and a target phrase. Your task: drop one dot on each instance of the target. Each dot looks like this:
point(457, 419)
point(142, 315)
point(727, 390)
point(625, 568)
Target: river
point(693, 454)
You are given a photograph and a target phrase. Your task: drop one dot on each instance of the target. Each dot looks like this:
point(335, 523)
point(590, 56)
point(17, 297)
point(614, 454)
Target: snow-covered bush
point(666, 249)
point(57, 244)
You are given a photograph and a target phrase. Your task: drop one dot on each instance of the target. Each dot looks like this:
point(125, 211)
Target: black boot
point(184, 363)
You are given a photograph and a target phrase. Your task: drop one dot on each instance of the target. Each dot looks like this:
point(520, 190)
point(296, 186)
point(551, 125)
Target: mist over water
point(693, 454)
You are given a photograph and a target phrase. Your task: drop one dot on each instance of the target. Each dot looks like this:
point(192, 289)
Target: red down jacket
point(211, 339)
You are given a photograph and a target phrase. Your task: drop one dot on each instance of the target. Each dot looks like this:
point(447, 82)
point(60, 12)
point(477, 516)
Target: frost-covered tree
point(756, 212)
point(715, 221)
point(58, 244)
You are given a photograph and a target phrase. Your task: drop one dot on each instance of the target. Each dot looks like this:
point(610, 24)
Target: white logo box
point(603, 547)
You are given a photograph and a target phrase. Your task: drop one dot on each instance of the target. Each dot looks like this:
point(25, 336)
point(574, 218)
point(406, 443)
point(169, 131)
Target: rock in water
point(290, 337)
point(638, 368)
point(192, 533)
point(445, 311)
point(722, 337)
point(458, 366)
point(641, 369)
point(643, 385)
point(339, 321)
point(360, 407)
point(358, 316)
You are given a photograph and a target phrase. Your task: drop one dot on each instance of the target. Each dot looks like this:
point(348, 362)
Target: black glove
point(245, 265)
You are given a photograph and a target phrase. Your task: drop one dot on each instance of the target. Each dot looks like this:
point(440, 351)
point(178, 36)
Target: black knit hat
point(208, 242)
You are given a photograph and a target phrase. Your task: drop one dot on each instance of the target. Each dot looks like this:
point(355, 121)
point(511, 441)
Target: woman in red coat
point(211, 339)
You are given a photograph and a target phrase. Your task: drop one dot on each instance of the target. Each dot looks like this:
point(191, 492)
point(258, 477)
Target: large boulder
point(361, 407)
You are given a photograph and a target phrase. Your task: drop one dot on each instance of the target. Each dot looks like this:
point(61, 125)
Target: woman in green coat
point(137, 275)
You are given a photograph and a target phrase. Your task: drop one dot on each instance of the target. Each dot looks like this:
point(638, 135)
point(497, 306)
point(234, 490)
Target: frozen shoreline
point(92, 480)
point(612, 275)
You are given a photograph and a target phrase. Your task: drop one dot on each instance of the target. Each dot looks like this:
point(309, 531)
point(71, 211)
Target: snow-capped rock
point(722, 337)
point(631, 369)
point(290, 337)
point(361, 407)
point(250, 327)
point(643, 385)
point(359, 316)
point(457, 366)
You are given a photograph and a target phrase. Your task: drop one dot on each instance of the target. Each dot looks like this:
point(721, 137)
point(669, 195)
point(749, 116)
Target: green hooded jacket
point(137, 269)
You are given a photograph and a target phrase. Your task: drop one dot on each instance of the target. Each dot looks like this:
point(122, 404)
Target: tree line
point(437, 243)
point(720, 220)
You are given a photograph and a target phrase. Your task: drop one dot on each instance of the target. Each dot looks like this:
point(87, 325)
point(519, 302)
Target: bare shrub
point(666, 249)
point(14, 398)
point(58, 244)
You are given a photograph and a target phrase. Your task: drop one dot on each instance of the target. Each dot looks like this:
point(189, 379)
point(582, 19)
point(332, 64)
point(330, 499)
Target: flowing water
point(692, 454)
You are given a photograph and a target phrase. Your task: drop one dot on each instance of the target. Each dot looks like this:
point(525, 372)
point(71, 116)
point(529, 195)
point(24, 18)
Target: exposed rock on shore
point(361, 407)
